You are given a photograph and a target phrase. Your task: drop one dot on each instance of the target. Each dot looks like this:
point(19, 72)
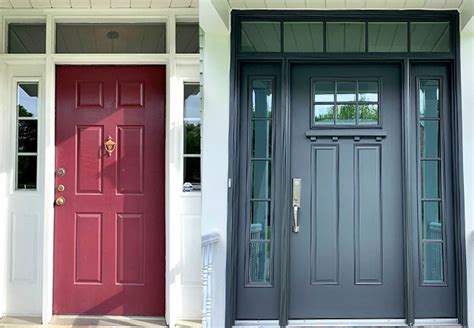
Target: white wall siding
point(467, 75)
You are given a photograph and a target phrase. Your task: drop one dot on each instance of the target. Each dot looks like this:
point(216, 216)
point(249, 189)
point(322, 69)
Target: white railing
point(207, 248)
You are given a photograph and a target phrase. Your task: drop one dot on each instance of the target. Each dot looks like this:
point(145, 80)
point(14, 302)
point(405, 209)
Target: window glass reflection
point(260, 37)
point(345, 37)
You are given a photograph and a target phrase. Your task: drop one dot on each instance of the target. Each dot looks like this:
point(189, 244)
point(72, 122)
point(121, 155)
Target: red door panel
point(109, 239)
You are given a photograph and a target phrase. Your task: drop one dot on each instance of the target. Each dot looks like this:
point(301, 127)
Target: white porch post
point(216, 58)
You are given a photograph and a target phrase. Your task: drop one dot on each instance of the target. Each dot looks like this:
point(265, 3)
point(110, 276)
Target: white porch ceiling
point(347, 4)
point(97, 4)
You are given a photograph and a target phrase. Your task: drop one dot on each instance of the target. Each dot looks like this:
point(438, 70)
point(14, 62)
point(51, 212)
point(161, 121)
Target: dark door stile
point(283, 210)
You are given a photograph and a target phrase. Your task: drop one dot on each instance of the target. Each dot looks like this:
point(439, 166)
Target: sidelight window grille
point(27, 136)
point(259, 261)
point(192, 137)
point(431, 194)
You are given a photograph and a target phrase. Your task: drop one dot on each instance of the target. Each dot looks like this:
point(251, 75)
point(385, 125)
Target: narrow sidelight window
point(192, 137)
point(260, 176)
point(431, 193)
point(27, 136)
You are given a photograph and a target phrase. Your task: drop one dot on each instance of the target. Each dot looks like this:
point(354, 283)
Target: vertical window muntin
point(257, 199)
point(191, 154)
point(23, 115)
point(338, 101)
point(432, 244)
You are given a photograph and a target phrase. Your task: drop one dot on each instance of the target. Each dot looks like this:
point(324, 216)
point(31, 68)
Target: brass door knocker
point(109, 145)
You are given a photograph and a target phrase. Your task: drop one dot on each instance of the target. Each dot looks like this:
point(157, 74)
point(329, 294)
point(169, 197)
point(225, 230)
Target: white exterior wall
point(467, 76)
point(215, 151)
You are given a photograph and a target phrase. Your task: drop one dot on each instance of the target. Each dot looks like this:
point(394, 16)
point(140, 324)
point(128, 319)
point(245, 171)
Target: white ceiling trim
point(346, 4)
point(96, 4)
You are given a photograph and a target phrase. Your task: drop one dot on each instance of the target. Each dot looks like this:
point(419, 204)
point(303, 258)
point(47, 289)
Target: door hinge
point(229, 183)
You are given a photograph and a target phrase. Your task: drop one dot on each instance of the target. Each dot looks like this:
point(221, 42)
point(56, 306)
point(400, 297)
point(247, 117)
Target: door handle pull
point(296, 203)
point(296, 227)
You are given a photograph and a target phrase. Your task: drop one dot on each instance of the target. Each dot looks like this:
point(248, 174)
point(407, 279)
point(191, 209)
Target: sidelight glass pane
point(429, 98)
point(259, 262)
point(345, 37)
point(388, 37)
point(111, 38)
point(346, 91)
point(187, 38)
point(192, 137)
point(430, 179)
point(430, 37)
point(27, 38)
point(429, 139)
point(27, 136)
point(323, 114)
point(368, 114)
point(346, 114)
point(261, 178)
point(260, 37)
point(368, 91)
point(324, 91)
point(431, 218)
point(192, 170)
point(260, 224)
point(26, 172)
point(303, 36)
point(27, 94)
point(261, 98)
point(261, 139)
point(433, 262)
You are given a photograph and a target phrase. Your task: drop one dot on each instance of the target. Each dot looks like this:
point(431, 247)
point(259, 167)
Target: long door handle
point(296, 203)
point(296, 227)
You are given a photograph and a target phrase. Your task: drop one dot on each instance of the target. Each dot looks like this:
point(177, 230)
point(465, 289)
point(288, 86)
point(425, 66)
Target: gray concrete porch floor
point(64, 321)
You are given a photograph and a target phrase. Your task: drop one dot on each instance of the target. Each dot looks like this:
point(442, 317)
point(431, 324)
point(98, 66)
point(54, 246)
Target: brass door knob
point(60, 201)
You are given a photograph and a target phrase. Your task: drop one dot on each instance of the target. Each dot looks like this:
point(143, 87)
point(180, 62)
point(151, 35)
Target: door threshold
point(108, 321)
point(347, 323)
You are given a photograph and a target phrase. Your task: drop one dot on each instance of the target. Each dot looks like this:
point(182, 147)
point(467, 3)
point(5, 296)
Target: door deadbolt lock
point(60, 201)
point(61, 172)
point(61, 187)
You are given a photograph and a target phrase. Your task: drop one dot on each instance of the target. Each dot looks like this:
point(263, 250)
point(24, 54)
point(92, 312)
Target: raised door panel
point(88, 248)
point(325, 216)
point(130, 249)
point(368, 215)
point(131, 151)
point(89, 159)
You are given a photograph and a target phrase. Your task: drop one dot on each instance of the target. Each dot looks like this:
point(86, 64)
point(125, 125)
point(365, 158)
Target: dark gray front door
point(347, 259)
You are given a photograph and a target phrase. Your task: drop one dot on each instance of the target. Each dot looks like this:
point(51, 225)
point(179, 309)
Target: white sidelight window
point(27, 136)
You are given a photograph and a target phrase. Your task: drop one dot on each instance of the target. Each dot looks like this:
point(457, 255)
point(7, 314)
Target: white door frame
point(47, 64)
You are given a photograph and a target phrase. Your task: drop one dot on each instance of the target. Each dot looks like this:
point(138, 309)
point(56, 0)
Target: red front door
point(109, 242)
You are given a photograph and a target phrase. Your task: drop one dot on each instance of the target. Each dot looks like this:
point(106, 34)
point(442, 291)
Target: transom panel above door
point(109, 215)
